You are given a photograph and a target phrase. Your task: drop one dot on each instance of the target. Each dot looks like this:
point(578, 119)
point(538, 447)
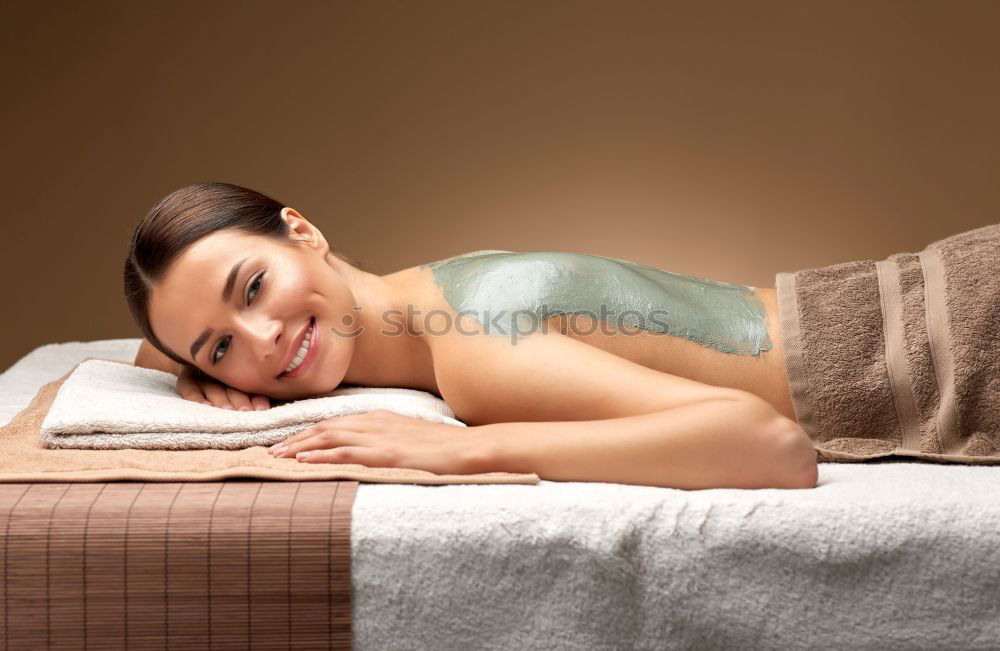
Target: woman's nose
point(264, 335)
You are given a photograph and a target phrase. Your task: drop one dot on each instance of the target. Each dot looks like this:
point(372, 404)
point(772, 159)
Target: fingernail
point(281, 449)
point(261, 407)
point(303, 455)
point(244, 408)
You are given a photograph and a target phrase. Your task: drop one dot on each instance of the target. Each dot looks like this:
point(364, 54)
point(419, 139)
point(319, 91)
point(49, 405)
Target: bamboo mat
point(223, 565)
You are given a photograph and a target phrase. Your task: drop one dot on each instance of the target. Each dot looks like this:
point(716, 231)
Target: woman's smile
point(303, 351)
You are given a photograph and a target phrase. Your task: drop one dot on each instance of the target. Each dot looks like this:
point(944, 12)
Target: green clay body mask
point(512, 294)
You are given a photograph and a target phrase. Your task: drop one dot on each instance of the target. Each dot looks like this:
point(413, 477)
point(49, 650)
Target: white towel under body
point(106, 405)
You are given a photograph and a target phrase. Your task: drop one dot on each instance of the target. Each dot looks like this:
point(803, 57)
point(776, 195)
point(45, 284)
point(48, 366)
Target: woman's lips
point(310, 354)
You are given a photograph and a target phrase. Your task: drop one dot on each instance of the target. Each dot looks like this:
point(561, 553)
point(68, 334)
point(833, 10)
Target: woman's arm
point(570, 411)
point(149, 357)
point(723, 443)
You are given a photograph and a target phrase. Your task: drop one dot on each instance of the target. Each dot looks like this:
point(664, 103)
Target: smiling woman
point(245, 299)
point(231, 284)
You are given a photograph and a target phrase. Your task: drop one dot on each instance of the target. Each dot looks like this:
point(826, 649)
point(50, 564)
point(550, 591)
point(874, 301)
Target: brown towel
point(899, 357)
point(23, 459)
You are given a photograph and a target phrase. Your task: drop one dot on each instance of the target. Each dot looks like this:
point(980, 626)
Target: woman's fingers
point(371, 457)
point(320, 440)
point(216, 394)
point(238, 399)
point(190, 390)
point(191, 386)
point(260, 401)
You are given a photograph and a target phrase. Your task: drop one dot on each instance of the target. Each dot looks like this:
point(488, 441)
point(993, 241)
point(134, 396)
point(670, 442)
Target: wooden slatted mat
point(233, 564)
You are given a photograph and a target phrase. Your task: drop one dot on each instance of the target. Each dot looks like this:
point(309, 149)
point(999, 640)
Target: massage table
point(880, 555)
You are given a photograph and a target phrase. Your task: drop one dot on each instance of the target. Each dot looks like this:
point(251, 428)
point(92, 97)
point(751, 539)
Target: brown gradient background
point(730, 140)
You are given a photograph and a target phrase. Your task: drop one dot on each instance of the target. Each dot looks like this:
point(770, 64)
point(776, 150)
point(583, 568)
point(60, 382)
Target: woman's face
point(245, 333)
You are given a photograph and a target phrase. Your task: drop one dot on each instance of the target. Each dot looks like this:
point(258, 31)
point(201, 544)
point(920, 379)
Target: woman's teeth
point(303, 349)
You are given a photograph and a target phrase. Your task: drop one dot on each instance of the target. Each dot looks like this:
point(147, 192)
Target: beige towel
point(23, 459)
point(899, 357)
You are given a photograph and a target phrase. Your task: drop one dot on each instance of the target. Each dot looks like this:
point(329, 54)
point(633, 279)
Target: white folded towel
point(105, 405)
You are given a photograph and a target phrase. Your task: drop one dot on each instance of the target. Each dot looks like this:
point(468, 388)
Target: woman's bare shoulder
point(423, 295)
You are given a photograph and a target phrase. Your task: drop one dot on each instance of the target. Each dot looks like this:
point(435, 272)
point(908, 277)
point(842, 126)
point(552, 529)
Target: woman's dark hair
point(181, 218)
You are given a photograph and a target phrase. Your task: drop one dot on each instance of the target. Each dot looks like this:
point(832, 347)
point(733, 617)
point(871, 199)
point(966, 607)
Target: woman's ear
point(304, 232)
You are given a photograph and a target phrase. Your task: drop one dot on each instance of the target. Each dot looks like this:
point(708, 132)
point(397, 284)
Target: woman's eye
point(254, 288)
point(221, 348)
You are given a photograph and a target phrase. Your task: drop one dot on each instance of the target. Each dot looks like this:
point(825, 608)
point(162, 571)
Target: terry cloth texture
point(899, 357)
point(23, 458)
point(108, 405)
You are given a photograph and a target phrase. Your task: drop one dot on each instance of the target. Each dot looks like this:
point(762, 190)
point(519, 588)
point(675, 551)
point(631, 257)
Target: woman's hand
point(192, 385)
point(385, 439)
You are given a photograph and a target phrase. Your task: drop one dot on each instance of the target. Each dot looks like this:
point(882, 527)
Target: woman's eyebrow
point(227, 292)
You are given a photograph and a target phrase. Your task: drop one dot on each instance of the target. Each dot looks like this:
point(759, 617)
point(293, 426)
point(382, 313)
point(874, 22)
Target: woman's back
point(715, 333)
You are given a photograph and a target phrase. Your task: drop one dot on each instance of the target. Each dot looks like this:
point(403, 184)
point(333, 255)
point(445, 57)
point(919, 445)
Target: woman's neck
point(387, 353)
